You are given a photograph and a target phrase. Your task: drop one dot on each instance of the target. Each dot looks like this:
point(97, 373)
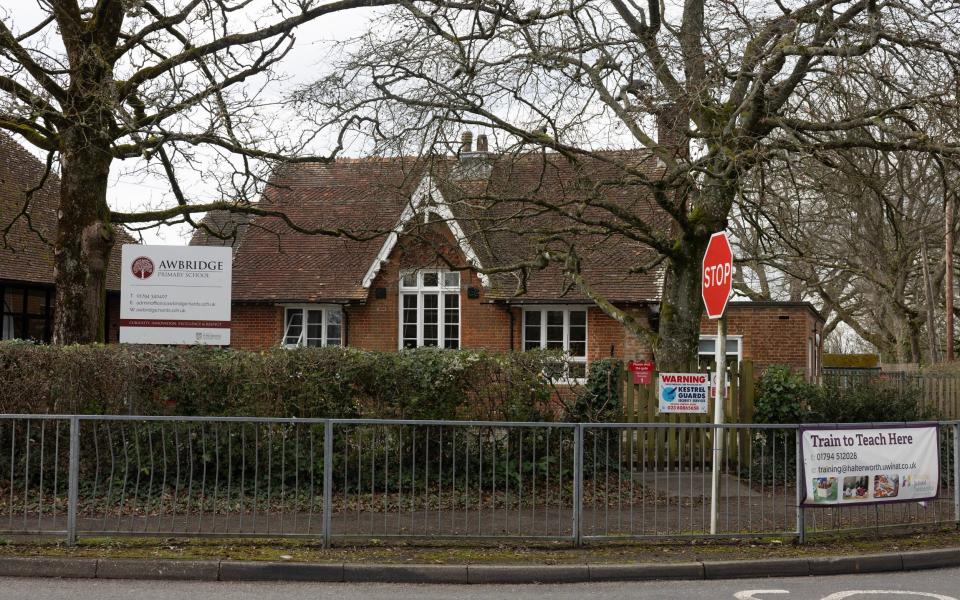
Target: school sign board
point(175, 295)
point(687, 393)
point(870, 465)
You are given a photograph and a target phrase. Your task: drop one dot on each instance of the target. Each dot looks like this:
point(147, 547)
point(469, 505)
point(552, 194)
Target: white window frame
point(301, 342)
point(442, 290)
point(566, 309)
point(713, 338)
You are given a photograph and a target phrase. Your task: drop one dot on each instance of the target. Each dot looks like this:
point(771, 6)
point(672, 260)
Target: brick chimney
point(472, 165)
point(672, 125)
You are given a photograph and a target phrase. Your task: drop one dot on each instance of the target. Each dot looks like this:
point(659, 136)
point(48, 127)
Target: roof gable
point(427, 199)
point(489, 218)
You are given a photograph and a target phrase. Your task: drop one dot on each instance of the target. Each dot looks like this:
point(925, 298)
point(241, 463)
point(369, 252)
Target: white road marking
point(749, 594)
point(848, 594)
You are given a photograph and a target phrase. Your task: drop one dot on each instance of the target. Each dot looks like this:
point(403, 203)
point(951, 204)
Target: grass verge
point(550, 553)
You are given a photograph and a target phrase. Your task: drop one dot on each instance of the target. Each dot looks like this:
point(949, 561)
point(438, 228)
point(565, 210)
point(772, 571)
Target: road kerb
point(739, 569)
point(864, 563)
point(645, 571)
point(228, 570)
point(75, 568)
point(245, 570)
point(931, 559)
point(406, 573)
point(170, 570)
point(528, 573)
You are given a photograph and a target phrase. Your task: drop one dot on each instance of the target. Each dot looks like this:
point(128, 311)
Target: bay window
point(562, 329)
point(430, 308)
point(312, 325)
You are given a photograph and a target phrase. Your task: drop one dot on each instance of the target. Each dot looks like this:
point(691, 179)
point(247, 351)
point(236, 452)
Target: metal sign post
point(716, 285)
point(718, 404)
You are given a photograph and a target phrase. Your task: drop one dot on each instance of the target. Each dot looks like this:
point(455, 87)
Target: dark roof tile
point(367, 196)
point(27, 254)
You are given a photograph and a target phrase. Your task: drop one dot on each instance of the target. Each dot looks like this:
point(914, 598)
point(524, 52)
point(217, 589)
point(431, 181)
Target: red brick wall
point(636, 348)
point(772, 335)
point(255, 326)
point(375, 325)
point(484, 324)
point(604, 335)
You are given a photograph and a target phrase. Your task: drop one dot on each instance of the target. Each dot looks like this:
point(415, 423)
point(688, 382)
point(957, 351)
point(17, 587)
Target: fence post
point(577, 484)
point(73, 480)
point(798, 477)
point(956, 473)
point(327, 480)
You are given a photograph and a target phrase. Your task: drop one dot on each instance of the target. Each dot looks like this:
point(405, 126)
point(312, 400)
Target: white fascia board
point(418, 203)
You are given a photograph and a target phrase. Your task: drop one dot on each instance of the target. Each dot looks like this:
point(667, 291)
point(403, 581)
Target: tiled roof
point(503, 222)
point(27, 254)
point(366, 197)
point(225, 229)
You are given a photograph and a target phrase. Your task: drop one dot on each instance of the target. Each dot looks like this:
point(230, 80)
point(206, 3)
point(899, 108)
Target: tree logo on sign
point(142, 267)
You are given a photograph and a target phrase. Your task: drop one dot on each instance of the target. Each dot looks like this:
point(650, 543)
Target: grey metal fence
point(339, 480)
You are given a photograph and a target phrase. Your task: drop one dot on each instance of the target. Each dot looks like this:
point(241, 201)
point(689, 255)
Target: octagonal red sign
point(717, 275)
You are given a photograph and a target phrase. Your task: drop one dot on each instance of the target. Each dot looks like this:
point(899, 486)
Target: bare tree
point(738, 78)
point(94, 82)
point(857, 229)
point(857, 232)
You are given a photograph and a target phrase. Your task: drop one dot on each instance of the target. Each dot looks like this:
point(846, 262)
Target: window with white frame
point(312, 325)
point(707, 350)
point(559, 328)
point(430, 308)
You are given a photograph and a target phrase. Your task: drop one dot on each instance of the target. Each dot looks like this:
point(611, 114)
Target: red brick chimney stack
point(672, 125)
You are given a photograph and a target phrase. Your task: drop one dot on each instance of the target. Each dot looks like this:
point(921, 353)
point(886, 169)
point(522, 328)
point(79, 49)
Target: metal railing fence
point(353, 479)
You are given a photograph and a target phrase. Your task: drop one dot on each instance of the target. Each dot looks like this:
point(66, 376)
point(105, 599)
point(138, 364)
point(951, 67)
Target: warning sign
point(684, 392)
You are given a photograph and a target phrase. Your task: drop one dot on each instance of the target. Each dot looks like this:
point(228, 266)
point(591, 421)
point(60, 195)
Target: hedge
point(785, 396)
point(307, 382)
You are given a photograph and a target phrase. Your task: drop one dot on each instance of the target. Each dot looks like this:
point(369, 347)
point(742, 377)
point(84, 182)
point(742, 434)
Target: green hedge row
point(784, 396)
point(424, 383)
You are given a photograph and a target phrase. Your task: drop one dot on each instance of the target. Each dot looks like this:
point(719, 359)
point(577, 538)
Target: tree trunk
point(681, 309)
point(84, 240)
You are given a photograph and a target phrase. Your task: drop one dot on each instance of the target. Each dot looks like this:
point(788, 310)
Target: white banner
point(895, 463)
point(175, 295)
point(683, 392)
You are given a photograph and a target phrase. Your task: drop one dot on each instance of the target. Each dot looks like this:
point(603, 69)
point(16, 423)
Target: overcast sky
point(315, 43)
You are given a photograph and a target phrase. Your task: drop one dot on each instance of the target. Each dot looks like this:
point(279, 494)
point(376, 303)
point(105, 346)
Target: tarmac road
point(937, 585)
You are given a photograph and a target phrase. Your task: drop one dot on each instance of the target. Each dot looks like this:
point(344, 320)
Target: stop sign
point(717, 275)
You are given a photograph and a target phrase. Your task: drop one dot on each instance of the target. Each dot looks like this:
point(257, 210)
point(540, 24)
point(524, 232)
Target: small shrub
point(783, 396)
point(600, 400)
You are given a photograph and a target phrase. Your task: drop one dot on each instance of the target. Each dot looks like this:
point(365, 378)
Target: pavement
point(941, 584)
point(893, 564)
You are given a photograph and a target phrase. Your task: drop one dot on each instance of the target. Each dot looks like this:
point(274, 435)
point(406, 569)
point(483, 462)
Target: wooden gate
point(687, 447)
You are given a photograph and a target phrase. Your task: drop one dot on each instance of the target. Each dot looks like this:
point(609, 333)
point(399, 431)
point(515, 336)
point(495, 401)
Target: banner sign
point(895, 463)
point(684, 392)
point(175, 294)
